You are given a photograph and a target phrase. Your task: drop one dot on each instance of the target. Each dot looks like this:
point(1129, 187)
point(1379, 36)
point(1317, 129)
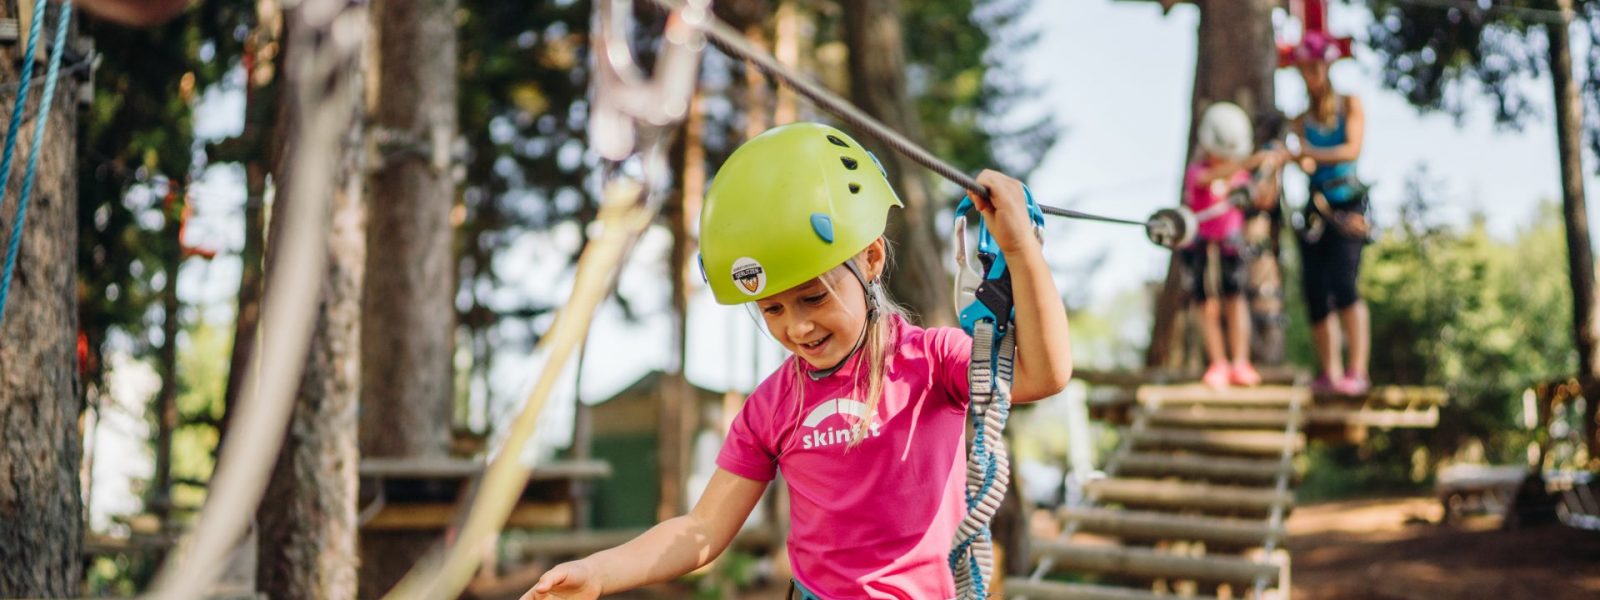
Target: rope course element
point(1164, 228)
point(632, 116)
point(326, 38)
point(29, 173)
point(984, 307)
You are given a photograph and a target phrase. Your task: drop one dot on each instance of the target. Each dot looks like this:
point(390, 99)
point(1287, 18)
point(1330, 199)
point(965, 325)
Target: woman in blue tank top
point(1330, 134)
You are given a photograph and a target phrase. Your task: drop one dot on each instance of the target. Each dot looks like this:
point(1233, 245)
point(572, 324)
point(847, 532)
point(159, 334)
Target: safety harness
point(985, 307)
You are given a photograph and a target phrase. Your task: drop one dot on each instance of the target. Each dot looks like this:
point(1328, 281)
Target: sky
point(1115, 75)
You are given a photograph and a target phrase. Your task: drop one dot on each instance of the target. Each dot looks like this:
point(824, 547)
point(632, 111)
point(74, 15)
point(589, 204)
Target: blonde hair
point(876, 346)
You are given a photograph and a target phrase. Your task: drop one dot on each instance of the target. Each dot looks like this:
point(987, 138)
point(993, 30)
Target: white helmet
point(1225, 131)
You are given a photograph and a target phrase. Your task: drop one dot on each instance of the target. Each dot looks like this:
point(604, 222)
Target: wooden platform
point(1328, 417)
point(1194, 497)
point(424, 494)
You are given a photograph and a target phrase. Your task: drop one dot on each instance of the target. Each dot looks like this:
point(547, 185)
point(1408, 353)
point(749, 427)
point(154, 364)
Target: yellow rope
point(623, 216)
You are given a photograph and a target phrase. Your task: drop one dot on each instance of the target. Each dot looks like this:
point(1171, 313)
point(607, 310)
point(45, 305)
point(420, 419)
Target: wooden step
point(1173, 495)
point(1017, 587)
point(1141, 562)
point(1200, 415)
point(1153, 526)
point(1220, 441)
point(1185, 395)
point(1201, 466)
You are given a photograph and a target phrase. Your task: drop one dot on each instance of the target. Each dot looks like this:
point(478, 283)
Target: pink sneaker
point(1355, 385)
point(1244, 374)
point(1218, 375)
point(1325, 385)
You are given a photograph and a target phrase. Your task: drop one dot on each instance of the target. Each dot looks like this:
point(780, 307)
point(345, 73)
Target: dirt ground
point(1393, 550)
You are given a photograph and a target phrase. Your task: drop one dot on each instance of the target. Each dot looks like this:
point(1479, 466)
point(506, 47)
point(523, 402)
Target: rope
point(326, 39)
point(733, 43)
point(32, 169)
point(988, 463)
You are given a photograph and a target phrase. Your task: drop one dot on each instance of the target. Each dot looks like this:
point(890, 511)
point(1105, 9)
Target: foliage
point(137, 154)
point(1456, 307)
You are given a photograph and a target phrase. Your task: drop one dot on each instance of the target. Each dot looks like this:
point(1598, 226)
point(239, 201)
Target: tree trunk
point(408, 308)
point(307, 530)
point(251, 276)
point(786, 48)
point(250, 148)
point(1234, 61)
point(41, 514)
point(160, 498)
point(878, 86)
point(1580, 255)
point(680, 410)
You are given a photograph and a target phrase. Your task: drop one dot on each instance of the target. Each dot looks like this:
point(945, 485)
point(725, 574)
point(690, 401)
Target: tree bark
point(878, 86)
point(307, 528)
point(250, 148)
point(680, 411)
point(408, 308)
point(1234, 61)
point(160, 498)
point(41, 514)
point(1580, 254)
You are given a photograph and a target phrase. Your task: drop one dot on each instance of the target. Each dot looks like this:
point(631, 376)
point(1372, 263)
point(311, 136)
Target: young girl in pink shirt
point(1215, 263)
point(867, 418)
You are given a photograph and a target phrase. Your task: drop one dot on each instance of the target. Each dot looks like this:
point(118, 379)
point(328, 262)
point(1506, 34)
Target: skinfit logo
point(844, 433)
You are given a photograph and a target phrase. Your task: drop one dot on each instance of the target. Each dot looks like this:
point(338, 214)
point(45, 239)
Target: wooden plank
point(1381, 418)
point(1141, 562)
point(1152, 526)
point(1477, 478)
point(1225, 441)
point(138, 543)
point(1129, 379)
point(1200, 415)
point(1393, 396)
point(462, 468)
point(1017, 587)
point(1179, 495)
point(1197, 466)
point(1195, 393)
point(438, 516)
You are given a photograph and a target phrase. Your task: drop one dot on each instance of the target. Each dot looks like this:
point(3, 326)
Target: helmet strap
point(869, 289)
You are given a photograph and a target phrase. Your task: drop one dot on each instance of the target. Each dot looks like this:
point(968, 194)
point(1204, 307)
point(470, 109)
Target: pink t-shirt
point(1200, 196)
point(876, 520)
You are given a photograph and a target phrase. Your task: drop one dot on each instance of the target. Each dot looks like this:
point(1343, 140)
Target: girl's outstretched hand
point(567, 581)
point(1005, 213)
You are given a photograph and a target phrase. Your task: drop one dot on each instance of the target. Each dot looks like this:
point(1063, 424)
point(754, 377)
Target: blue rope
point(40, 125)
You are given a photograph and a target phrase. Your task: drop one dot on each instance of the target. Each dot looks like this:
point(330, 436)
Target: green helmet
point(788, 206)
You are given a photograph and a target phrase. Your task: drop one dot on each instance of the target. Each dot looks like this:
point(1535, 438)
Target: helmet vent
point(837, 142)
point(855, 188)
point(849, 163)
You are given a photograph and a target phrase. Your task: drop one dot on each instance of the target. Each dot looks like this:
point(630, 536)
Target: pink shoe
point(1218, 375)
point(1244, 374)
point(1355, 385)
point(1325, 385)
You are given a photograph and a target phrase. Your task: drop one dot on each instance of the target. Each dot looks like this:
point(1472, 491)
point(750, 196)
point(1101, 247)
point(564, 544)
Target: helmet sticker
point(750, 276)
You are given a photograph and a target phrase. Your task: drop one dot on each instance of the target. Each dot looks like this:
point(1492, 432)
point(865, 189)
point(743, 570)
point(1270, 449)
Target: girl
point(867, 418)
point(1217, 271)
point(1330, 134)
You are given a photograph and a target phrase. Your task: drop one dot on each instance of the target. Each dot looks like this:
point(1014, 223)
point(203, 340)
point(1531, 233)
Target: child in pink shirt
point(867, 418)
point(1217, 271)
